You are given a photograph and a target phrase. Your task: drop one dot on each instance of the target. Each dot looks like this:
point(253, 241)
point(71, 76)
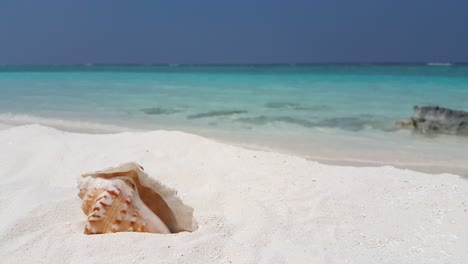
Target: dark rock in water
point(216, 114)
point(345, 123)
point(435, 119)
point(159, 111)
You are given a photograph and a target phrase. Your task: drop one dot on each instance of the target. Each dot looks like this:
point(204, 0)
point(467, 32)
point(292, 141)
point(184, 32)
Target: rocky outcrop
point(435, 119)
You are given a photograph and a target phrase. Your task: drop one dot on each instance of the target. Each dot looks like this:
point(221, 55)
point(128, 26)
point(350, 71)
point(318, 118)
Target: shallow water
point(332, 113)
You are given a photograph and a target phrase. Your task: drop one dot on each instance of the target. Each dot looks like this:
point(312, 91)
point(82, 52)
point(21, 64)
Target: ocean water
point(341, 114)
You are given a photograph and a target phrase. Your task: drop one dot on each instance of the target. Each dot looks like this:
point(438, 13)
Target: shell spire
point(125, 199)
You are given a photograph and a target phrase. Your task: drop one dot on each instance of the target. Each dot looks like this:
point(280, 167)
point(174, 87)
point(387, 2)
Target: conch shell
point(125, 198)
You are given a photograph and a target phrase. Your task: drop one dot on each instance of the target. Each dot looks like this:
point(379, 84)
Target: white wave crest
point(439, 64)
point(11, 119)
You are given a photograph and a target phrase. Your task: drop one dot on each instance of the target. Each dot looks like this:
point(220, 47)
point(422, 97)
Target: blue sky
point(241, 31)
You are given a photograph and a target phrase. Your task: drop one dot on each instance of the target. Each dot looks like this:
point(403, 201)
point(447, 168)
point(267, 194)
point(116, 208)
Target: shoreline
point(251, 206)
point(332, 156)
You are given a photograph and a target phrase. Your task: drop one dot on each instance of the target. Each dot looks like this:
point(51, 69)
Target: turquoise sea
point(332, 113)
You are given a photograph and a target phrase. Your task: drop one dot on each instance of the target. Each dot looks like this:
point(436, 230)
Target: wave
point(439, 64)
point(349, 123)
point(11, 119)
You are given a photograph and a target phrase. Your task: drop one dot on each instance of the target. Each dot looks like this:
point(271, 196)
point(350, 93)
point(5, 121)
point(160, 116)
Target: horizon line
point(344, 63)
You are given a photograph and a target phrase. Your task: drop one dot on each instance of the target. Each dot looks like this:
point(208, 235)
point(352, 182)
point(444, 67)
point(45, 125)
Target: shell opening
point(125, 198)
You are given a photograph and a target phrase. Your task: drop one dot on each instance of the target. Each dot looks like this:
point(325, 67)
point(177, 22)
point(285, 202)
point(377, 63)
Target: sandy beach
point(251, 206)
point(4, 126)
point(234, 132)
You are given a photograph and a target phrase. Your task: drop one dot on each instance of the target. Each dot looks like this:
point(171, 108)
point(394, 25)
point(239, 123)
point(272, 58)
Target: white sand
point(252, 207)
point(4, 126)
